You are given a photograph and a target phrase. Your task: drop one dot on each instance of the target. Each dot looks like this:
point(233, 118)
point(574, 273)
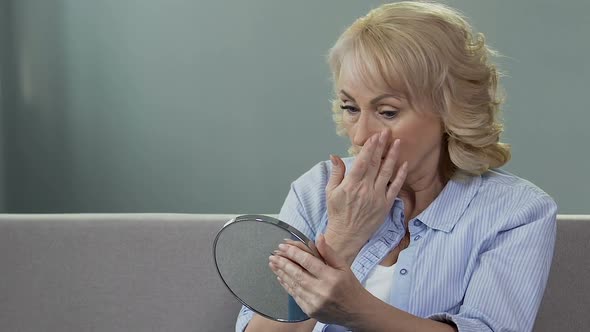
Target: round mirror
point(241, 250)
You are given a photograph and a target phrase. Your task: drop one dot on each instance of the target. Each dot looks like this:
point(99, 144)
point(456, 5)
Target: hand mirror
point(241, 250)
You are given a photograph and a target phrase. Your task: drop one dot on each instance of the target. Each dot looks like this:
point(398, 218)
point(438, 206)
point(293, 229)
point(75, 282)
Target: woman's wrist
point(347, 246)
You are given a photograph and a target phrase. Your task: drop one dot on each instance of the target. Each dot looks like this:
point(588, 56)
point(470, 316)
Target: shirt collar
point(444, 212)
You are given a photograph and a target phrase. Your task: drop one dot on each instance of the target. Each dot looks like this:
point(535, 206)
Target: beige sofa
point(155, 272)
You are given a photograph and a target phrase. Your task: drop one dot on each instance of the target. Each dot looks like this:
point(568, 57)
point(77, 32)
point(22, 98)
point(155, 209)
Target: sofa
point(155, 272)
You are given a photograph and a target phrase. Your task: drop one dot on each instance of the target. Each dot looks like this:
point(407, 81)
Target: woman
point(420, 230)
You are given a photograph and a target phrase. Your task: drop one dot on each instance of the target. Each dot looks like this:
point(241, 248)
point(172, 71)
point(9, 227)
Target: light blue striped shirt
point(479, 255)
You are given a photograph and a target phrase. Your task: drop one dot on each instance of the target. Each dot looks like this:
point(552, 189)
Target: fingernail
point(333, 160)
point(282, 246)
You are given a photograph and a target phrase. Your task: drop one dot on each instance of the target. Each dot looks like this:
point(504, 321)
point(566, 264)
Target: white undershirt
point(380, 281)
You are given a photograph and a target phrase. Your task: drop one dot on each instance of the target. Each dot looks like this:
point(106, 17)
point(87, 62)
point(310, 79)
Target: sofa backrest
point(566, 303)
point(112, 273)
point(155, 272)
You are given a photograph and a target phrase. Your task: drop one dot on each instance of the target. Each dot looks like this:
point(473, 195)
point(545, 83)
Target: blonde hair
point(429, 52)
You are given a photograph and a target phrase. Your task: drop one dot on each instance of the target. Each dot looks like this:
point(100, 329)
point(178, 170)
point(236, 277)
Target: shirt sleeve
point(244, 318)
point(507, 285)
point(303, 209)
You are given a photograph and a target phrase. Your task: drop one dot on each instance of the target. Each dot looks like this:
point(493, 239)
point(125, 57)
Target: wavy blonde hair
point(428, 51)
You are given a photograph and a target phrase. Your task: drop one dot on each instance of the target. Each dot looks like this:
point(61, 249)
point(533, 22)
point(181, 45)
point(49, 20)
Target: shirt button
point(417, 223)
point(417, 238)
point(403, 272)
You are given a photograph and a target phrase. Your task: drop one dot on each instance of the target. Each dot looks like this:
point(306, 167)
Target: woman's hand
point(358, 203)
point(328, 292)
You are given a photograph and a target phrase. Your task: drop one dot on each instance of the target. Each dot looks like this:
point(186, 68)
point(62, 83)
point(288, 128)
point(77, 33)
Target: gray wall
point(216, 106)
point(4, 42)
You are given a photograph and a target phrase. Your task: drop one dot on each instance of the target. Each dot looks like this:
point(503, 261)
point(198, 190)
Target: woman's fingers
point(337, 174)
point(371, 165)
point(388, 166)
point(312, 264)
point(295, 279)
point(397, 183)
point(377, 156)
point(310, 247)
point(363, 160)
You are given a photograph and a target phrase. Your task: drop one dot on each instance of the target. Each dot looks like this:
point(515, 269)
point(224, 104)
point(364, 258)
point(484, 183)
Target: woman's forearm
point(261, 324)
point(376, 315)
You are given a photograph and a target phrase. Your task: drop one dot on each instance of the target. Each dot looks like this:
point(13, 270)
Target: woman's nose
point(364, 130)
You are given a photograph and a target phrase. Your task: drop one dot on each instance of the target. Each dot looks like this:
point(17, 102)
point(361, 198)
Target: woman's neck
point(419, 191)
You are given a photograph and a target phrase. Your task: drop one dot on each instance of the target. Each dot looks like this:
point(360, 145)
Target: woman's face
point(367, 111)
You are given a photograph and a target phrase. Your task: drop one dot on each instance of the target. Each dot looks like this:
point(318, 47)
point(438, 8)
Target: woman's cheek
point(405, 154)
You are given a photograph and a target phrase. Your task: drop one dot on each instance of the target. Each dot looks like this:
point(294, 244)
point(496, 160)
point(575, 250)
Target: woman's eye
point(389, 114)
point(349, 109)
